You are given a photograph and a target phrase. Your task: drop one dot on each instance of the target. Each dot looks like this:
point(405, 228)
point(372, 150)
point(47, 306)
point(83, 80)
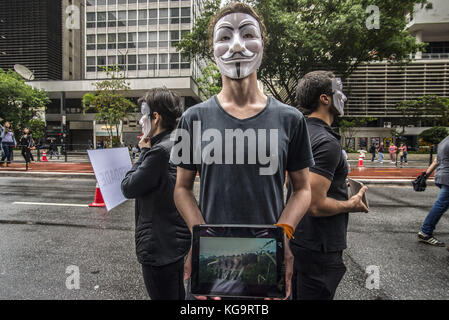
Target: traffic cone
point(360, 164)
point(44, 157)
point(98, 201)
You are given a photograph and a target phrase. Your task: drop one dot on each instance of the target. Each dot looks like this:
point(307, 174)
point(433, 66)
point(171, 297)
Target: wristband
point(288, 229)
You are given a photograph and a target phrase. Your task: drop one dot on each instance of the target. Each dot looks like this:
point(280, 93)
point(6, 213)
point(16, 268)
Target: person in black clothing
point(320, 236)
point(26, 142)
point(373, 152)
point(162, 237)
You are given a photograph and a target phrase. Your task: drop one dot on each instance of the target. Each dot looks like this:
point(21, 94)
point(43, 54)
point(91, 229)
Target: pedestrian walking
point(8, 143)
point(380, 152)
point(134, 152)
point(392, 150)
point(320, 237)
point(403, 153)
point(26, 143)
point(162, 237)
point(372, 150)
point(441, 164)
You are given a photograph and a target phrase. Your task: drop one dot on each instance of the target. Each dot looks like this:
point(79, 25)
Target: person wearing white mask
point(320, 237)
point(162, 237)
point(242, 183)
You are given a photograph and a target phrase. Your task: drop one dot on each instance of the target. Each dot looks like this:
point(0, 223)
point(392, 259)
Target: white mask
point(238, 46)
point(338, 96)
point(145, 121)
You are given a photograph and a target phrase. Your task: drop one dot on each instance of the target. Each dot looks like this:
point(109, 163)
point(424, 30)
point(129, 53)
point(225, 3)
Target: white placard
point(110, 167)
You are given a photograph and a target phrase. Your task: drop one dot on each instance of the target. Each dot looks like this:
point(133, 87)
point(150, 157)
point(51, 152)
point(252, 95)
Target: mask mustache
point(238, 55)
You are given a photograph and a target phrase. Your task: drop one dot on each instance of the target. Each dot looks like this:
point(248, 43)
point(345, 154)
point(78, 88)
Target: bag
point(419, 184)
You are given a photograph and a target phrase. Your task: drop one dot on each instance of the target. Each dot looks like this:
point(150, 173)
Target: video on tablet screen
point(234, 265)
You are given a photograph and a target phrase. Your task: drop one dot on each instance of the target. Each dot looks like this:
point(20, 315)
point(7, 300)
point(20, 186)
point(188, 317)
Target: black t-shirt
point(242, 162)
point(325, 234)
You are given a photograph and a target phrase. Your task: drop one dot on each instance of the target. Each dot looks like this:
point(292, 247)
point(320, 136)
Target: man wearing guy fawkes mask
point(320, 237)
point(237, 193)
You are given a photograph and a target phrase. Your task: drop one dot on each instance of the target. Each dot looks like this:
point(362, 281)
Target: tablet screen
point(238, 263)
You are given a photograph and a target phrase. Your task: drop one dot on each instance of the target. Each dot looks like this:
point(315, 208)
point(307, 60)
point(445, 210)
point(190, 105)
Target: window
point(112, 60)
point(174, 61)
point(174, 15)
point(163, 39)
point(101, 41)
point(132, 40)
point(121, 62)
point(112, 2)
point(121, 1)
point(132, 59)
point(185, 61)
point(142, 62)
point(152, 15)
point(142, 39)
point(143, 1)
point(101, 19)
point(132, 1)
point(132, 17)
point(152, 38)
point(174, 37)
point(112, 19)
point(121, 18)
point(143, 17)
point(90, 3)
point(90, 20)
point(90, 42)
point(101, 63)
point(121, 40)
point(163, 16)
point(112, 41)
point(163, 61)
point(185, 15)
point(101, 2)
point(152, 61)
point(90, 63)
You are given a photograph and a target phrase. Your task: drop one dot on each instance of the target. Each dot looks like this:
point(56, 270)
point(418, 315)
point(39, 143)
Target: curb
point(392, 182)
point(40, 174)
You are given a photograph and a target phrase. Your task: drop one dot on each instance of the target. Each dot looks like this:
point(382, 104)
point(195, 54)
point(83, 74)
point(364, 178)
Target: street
point(46, 227)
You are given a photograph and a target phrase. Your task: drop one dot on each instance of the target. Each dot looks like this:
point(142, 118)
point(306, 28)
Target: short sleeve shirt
point(326, 234)
point(242, 162)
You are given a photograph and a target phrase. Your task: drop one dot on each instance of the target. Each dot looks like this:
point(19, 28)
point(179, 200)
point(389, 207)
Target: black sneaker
point(429, 239)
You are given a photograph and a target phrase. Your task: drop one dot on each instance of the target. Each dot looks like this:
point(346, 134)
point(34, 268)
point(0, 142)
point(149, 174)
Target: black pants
point(166, 282)
point(26, 153)
point(316, 274)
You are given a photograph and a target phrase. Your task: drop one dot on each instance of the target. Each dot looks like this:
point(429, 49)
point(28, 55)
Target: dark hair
point(235, 7)
point(166, 103)
point(311, 87)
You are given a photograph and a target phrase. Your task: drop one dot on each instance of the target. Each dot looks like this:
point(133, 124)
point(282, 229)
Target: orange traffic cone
point(360, 164)
point(44, 157)
point(98, 201)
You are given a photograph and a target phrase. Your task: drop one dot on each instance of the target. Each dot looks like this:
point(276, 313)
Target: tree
point(307, 35)
point(110, 102)
point(350, 127)
point(430, 107)
point(210, 80)
point(434, 135)
point(20, 104)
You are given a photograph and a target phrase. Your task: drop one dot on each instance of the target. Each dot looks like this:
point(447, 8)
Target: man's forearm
point(296, 207)
point(330, 207)
point(432, 167)
point(187, 206)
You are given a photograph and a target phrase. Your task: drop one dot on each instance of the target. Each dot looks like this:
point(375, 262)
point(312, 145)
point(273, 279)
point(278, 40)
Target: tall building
point(374, 89)
point(139, 37)
point(30, 34)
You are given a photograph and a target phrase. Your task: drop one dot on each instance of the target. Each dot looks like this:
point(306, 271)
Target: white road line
point(52, 204)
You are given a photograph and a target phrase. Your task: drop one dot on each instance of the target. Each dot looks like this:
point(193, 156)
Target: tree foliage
point(110, 102)
point(210, 80)
point(307, 35)
point(434, 135)
point(20, 103)
point(426, 107)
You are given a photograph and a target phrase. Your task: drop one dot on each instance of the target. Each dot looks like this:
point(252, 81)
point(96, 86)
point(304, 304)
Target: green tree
point(210, 80)
point(20, 104)
point(306, 35)
point(37, 128)
point(430, 107)
point(434, 135)
point(110, 102)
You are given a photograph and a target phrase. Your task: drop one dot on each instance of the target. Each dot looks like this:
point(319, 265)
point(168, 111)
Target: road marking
point(52, 204)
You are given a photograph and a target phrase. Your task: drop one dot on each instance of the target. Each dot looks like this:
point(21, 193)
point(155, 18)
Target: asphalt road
point(39, 242)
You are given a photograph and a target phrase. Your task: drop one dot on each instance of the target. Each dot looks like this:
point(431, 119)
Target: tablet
point(355, 187)
point(242, 261)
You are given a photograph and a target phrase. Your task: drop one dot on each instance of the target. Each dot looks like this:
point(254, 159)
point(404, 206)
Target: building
point(375, 88)
point(30, 35)
point(136, 35)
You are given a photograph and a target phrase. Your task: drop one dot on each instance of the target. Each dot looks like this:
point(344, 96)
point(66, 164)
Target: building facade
point(374, 89)
point(30, 35)
point(137, 36)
